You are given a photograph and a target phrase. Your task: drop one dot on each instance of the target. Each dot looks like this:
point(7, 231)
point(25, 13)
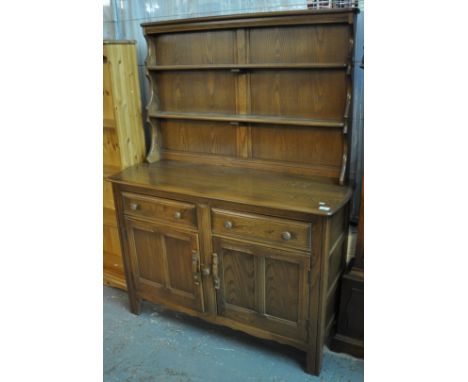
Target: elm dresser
point(240, 214)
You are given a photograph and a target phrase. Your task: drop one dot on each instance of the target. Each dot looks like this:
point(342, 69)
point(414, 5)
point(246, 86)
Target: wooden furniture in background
point(240, 218)
point(349, 337)
point(124, 143)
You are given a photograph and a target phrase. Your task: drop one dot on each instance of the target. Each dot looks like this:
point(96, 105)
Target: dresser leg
point(135, 305)
point(313, 362)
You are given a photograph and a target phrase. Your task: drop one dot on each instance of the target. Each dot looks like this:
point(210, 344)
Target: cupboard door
point(263, 287)
point(165, 264)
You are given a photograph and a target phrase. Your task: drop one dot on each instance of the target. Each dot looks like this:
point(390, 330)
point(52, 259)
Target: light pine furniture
point(240, 217)
point(123, 140)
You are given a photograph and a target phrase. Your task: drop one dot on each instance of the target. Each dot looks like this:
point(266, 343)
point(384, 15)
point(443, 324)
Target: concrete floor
point(160, 345)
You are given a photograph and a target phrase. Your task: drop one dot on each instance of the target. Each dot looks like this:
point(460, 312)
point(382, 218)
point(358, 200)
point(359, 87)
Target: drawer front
point(161, 209)
point(282, 232)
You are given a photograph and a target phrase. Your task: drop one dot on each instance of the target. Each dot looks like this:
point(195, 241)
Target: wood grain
point(123, 140)
point(299, 93)
point(216, 47)
point(238, 278)
point(162, 262)
point(248, 115)
point(206, 137)
point(298, 144)
point(160, 209)
point(261, 228)
point(257, 271)
point(280, 65)
point(194, 91)
point(313, 43)
point(282, 289)
point(149, 256)
point(332, 16)
point(245, 186)
point(249, 118)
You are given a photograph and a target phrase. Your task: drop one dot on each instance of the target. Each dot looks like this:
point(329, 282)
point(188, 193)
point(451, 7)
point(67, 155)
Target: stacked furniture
point(349, 336)
point(124, 141)
point(240, 217)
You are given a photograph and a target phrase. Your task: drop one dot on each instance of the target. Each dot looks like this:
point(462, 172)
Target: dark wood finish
point(321, 44)
point(299, 93)
point(359, 259)
point(252, 278)
point(201, 137)
point(196, 91)
point(240, 218)
point(280, 232)
point(278, 120)
point(165, 263)
point(294, 65)
point(263, 287)
point(246, 186)
point(297, 145)
point(292, 69)
point(349, 337)
point(160, 209)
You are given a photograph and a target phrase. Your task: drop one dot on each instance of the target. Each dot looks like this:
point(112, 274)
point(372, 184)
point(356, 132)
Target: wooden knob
point(286, 235)
point(228, 224)
point(205, 271)
point(177, 215)
point(134, 206)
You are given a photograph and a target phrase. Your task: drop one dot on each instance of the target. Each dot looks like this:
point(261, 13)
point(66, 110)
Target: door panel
point(179, 263)
point(165, 263)
point(239, 278)
point(263, 287)
point(282, 289)
point(149, 255)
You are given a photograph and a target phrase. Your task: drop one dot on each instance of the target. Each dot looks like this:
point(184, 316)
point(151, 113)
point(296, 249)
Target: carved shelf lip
point(331, 65)
point(265, 119)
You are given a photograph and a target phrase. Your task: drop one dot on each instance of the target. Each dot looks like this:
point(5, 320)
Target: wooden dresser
point(240, 215)
point(123, 139)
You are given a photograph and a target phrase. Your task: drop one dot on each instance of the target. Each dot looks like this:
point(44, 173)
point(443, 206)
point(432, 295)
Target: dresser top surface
point(238, 185)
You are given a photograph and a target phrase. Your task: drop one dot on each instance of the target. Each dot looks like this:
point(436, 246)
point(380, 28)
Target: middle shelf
point(249, 118)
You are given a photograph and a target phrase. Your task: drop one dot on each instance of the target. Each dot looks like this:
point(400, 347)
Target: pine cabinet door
point(165, 264)
point(264, 287)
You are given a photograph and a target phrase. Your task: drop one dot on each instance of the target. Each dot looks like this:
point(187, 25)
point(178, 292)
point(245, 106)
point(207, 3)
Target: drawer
point(161, 209)
point(286, 233)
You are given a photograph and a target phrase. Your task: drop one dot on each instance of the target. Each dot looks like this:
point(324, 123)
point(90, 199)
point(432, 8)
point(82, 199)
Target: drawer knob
point(286, 235)
point(134, 206)
point(228, 224)
point(177, 215)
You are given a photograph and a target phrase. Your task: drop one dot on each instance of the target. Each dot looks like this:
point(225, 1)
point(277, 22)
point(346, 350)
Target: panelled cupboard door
point(166, 263)
point(263, 287)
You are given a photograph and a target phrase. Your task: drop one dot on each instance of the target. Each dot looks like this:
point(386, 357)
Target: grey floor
point(160, 345)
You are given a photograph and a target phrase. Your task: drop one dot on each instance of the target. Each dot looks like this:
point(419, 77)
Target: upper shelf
point(334, 65)
point(236, 118)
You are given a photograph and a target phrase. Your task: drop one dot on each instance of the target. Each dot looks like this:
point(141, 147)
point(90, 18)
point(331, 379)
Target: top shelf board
point(335, 65)
point(252, 20)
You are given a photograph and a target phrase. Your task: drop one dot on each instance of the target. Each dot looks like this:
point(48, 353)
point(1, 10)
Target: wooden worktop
point(262, 188)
